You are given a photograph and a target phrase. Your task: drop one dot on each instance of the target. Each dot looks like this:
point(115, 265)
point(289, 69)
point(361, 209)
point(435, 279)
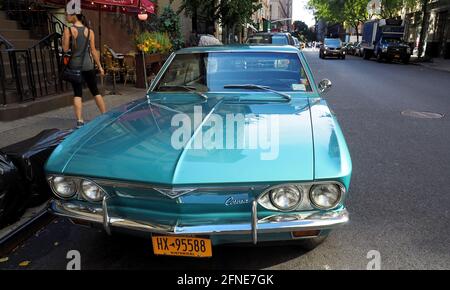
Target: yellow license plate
point(182, 246)
point(397, 56)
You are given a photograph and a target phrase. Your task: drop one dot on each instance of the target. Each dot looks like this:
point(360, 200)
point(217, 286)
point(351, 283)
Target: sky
point(299, 12)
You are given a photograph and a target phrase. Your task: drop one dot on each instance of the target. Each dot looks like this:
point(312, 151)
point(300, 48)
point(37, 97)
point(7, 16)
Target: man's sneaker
point(80, 124)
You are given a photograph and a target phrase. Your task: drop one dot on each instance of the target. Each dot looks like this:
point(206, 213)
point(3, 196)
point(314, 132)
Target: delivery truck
point(383, 39)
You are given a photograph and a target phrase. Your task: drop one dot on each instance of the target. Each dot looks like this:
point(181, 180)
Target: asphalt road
point(399, 197)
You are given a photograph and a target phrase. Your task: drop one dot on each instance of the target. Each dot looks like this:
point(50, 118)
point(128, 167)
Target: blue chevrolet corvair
point(231, 144)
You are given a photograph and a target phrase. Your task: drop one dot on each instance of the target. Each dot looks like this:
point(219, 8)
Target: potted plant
point(153, 48)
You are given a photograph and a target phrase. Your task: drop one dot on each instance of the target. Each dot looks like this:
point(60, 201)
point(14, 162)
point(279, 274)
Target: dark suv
point(332, 47)
point(391, 48)
point(276, 38)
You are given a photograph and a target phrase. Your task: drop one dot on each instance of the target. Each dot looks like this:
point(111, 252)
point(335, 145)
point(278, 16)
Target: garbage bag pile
point(11, 191)
point(22, 177)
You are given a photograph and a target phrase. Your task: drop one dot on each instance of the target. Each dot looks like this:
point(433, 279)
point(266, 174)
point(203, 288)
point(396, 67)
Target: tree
point(235, 13)
point(192, 8)
point(391, 8)
point(170, 23)
point(423, 31)
point(230, 13)
point(302, 31)
point(330, 11)
point(300, 26)
point(355, 13)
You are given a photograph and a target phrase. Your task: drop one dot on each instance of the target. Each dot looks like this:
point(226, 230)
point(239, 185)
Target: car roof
point(240, 48)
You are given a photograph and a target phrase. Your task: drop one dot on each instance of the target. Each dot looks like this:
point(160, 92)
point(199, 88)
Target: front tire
point(379, 57)
point(366, 54)
point(312, 243)
point(406, 60)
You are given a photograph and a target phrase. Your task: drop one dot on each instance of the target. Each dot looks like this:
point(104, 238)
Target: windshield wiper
point(186, 88)
point(258, 87)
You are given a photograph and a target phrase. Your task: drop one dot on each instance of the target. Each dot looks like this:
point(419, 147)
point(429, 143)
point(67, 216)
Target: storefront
point(437, 39)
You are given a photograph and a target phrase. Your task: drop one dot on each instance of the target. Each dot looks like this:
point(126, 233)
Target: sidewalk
point(18, 130)
point(435, 63)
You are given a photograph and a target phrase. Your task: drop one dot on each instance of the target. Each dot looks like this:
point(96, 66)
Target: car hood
point(136, 142)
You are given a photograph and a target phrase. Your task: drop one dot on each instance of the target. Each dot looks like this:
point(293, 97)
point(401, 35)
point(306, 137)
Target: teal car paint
point(151, 187)
point(137, 144)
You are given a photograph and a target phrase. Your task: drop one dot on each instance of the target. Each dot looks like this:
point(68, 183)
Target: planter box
point(153, 63)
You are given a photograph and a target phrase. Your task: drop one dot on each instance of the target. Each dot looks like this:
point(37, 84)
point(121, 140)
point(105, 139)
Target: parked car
point(349, 48)
point(332, 47)
point(152, 166)
point(357, 49)
point(275, 38)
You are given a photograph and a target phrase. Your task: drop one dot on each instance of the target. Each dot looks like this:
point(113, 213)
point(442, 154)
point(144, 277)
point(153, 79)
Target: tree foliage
point(328, 10)
point(352, 13)
point(392, 8)
point(302, 31)
point(170, 23)
point(228, 12)
point(206, 8)
point(237, 12)
point(339, 11)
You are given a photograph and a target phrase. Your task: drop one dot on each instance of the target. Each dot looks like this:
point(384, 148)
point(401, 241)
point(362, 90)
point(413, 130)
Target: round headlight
point(64, 187)
point(286, 197)
point(325, 196)
point(91, 191)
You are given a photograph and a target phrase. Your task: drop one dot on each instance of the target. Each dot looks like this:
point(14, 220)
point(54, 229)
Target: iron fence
point(34, 72)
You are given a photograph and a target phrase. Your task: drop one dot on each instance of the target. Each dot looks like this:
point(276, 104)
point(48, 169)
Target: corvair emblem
point(174, 192)
point(233, 201)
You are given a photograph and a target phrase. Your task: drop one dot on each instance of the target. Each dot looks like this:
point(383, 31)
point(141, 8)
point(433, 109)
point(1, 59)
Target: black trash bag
point(12, 195)
point(29, 156)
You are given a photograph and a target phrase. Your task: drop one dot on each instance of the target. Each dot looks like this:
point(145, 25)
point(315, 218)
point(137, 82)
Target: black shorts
point(90, 78)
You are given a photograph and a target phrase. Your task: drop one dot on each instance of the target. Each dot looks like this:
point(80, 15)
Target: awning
point(92, 4)
point(146, 4)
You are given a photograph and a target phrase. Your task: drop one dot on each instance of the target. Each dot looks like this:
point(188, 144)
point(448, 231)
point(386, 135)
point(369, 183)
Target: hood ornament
point(174, 192)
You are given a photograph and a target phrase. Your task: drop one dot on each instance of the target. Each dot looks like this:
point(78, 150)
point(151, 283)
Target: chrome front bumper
point(283, 222)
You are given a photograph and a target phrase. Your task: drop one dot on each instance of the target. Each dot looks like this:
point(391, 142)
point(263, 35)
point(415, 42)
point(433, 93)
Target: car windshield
point(211, 72)
point(333, 42)
point(267, 39)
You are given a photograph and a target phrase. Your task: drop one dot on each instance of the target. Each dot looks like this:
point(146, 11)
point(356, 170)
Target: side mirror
point(324, 85)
